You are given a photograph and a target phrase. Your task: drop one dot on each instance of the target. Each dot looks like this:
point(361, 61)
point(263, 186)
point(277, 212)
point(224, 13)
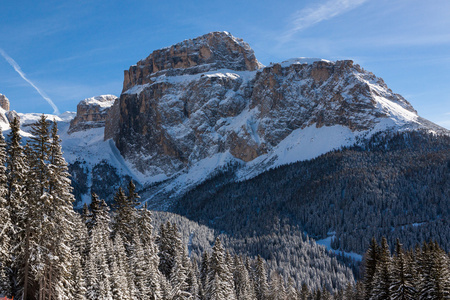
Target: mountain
point(207, 131)
point(200, 106)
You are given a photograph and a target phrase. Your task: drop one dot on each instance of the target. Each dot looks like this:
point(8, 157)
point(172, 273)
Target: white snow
point(301, 144)
point(300, 61)
point(103, 101)
point(186, 79)
point(327, 244)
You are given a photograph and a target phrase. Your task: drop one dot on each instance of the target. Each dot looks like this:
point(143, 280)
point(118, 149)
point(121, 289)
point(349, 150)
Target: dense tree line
point(50, 252)
point(422, 273)
point(392, 185)
point(47, 251)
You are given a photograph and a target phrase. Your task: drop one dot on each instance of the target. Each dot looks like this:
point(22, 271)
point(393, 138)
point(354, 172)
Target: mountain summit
point(208, 102)
point(212, 51)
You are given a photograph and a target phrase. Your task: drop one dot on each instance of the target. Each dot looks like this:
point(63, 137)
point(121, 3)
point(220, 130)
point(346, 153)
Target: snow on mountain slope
point(190, 111)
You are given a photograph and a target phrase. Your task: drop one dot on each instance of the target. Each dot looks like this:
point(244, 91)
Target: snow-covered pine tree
point(170, 246)
point(17, 168)
point(402, 287)
point(434, 272)
point(125, 216)
point(78, 283)
point(349, 292)
point(204, 269)
point(371, 258)
point(276, 290)
point(243, 284)
point(140, 269)
point(100, 255)
point(359, 291)
point(6, 226)
point(383, 275)
point(125, 270)
point(260, 279)
point(150, 252)
point(34, 220)
point(62, 218)
point(305, 293)
point(220, 283)
point(291, 291)
point(94, 212)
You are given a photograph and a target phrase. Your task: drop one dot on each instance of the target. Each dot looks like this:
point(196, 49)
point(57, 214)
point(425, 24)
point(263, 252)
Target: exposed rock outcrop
point(10, 115)
point(213, 51)
point(92, 112)
point(209, 95)
point(4, 102)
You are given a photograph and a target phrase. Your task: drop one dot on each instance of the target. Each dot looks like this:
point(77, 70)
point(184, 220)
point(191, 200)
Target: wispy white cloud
point(17, 68)
point(312, 15)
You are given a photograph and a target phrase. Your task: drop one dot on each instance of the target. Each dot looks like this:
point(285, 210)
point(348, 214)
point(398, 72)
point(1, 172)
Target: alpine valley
point(276, 159)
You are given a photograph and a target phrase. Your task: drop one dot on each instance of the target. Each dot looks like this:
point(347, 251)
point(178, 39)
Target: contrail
point(16, 67)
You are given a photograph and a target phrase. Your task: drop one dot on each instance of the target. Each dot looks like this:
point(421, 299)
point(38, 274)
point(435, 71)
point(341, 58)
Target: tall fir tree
point(16, 171)
point(402, 287)
point(383, 275)
point(125, 216)
point(260, 279)
point(220, 283)
point(370, 263)
point(6, 226)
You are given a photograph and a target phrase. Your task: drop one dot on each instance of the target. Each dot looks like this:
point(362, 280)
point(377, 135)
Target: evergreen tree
point(276, 287)
point(242, 282)
point(349, 292)
point(150, 252)
point(305, 293)
point(220, 279)
point(125, 216)
point(260, 279)
point(17, 168)
point(370, 261)
point(6, 226)
point(291, 291)
point(383, 279)
point(402, 286)
point(204, 270)
point(434, 272)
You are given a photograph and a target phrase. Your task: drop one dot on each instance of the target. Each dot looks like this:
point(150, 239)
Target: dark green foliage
point(395, 186)
point(79, 177)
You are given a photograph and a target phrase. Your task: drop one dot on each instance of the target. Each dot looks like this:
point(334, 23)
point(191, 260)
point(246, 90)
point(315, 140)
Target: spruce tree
point(371, 259)
point(276, 287)
point(383, 275)
point(16, 171)
point(402, 287)
point(242, 282)
point(220, 279)
point(125, 216)
point(6, 226)
point(260, 280)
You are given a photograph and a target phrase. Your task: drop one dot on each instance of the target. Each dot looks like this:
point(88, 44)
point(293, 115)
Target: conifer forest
point(50, 251)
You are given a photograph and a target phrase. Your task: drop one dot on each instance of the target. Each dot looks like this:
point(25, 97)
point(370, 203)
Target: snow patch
point(327, 244)
point(300, 61)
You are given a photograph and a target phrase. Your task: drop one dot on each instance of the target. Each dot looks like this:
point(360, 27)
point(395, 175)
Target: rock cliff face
point(4, 102)
point(210, 95)
point(213, 51)
point(92, 112)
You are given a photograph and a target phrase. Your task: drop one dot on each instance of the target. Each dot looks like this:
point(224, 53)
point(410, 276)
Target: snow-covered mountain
point(193, 109)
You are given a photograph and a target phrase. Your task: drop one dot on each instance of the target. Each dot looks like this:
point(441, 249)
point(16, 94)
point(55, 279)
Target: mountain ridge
point(183, 118)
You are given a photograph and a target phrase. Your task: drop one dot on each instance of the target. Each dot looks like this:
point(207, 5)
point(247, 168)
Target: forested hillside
point(396, 186)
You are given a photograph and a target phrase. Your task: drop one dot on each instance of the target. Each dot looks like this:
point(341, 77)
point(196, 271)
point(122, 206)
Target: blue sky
point(71, 50)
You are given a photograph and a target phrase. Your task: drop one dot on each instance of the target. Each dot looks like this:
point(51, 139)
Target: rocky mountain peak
point(209, 98)
point(212, 51)
point(4, 102)
point(92, 112)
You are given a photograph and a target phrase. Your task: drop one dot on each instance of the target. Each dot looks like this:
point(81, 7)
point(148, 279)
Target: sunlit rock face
point(210, 95)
